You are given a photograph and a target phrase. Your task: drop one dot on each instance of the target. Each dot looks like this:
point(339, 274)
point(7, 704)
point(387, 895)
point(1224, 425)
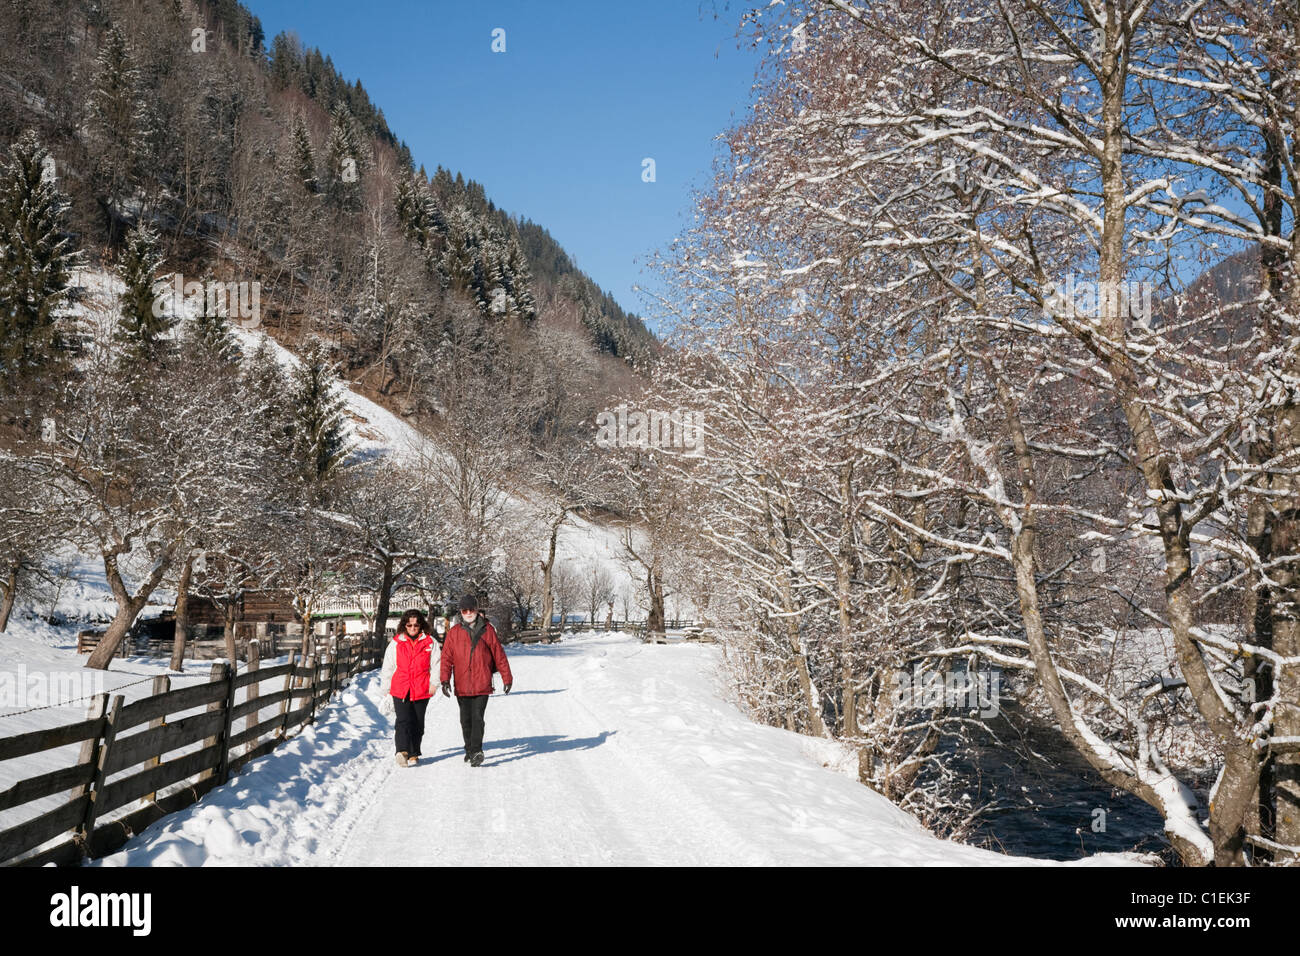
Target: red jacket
point(473, 666)
point(413, 666)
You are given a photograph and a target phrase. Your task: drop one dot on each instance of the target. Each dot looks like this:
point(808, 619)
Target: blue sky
point(556, 128)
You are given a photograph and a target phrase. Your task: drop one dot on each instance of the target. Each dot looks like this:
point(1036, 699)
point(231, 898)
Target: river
point(1049, 803)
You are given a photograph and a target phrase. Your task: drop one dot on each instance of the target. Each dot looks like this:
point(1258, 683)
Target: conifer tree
point(140, 329)
point(345, 161)
point(303, 162)
point(210, 338)
point(320, 439)
point(411, 210)
point(269, 392)
point(35, 257)
point(118, 118)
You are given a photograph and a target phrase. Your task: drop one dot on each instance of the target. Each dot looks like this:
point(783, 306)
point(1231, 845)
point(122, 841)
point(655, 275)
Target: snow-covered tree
point(892, 285)
point(119, 120)
point(27, 529)
point(398, 525)
point(302, 156)
point(320, 436)
point(139, 328)
point(346, 158)
point(35, 258)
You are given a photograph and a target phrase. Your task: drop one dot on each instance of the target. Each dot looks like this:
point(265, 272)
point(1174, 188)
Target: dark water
point(1048, 802)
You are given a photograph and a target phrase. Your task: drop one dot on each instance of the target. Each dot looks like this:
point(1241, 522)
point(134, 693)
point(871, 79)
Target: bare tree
point(598, 590)
point(567, 584)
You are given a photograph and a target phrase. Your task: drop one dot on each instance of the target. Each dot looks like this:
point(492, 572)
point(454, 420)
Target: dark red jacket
point(473, 665)
point(414, 666)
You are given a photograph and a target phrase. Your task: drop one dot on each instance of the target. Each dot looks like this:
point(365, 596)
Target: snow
point(44, 683)
point(608, 752)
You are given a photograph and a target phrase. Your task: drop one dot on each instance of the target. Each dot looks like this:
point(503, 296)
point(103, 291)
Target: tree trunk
point(1286, 640)
point(380, 630)
point(655, 620)
point(228, 631)
point(128, 607)
point(11, 593)
point(778, 543)
point(117, 629)
point(1227, 812)
point(182, 614)
point(548, 601)
point(844, 584)
point(1260, 515)
point(1273, 532)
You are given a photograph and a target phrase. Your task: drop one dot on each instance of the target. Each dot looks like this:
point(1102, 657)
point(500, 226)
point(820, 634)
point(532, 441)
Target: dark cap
point(469, 603)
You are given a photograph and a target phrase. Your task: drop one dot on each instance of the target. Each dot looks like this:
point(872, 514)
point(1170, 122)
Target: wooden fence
point(550, 635)
point(123, 745)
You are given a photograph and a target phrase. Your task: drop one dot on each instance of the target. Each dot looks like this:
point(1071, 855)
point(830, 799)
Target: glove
point(386, 706)
point(507, 688)
point(446, 688)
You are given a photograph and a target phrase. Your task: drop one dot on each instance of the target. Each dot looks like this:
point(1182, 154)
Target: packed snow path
point(606, 752)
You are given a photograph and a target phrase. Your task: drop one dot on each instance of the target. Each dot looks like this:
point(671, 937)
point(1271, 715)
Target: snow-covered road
point(607, 752)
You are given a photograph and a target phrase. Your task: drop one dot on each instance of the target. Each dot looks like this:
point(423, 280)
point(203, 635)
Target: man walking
point(471, 652)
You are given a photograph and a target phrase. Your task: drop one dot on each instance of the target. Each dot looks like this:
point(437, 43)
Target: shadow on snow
point(498, 752)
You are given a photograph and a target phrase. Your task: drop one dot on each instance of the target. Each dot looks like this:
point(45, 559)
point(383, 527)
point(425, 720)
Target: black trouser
point(410, 724)
point(471, 722)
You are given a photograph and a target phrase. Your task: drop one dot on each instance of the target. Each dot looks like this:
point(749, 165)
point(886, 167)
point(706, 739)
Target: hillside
point(260, 163)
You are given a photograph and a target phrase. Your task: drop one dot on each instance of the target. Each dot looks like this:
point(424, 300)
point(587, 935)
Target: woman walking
point(407, 678)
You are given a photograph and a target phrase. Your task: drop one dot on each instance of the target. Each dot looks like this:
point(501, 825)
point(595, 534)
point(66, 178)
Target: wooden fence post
point(218, 672)
point(251, 692)
point(223, 768)
point(90, 746)
point(314, 668)
point(285, 705)
point(87, 829)
point(89, 753)
point(161, 685)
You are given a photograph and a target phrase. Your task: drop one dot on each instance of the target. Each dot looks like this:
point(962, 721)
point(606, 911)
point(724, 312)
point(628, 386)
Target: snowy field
point(608, 752)
point(44, 684)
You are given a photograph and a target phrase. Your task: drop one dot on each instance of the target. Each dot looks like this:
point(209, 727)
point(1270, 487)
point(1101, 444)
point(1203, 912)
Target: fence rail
point(535, 635)
point(123, 748)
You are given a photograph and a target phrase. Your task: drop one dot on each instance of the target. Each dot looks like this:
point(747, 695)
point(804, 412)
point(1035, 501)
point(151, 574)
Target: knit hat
point(469, 603)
